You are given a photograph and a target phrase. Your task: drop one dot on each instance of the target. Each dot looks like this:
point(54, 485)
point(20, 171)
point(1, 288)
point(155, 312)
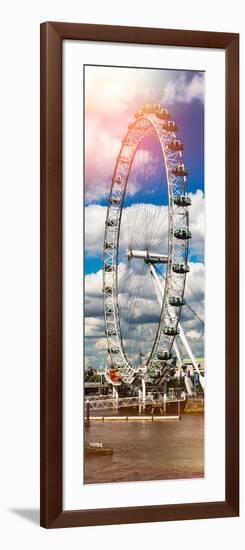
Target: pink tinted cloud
point(112, 95)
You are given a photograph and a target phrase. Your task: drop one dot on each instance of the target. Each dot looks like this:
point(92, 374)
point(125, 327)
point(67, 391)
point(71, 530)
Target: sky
point(112, 96)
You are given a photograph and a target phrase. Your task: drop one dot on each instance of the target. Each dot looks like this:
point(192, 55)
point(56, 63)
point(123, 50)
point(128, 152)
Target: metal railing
point(115, 403)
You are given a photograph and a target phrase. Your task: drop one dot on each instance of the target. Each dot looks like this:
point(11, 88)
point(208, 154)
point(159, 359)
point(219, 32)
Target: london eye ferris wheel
point(145, 251)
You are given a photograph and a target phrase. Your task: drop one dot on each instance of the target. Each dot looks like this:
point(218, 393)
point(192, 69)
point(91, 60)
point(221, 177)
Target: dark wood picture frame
point(52, 35)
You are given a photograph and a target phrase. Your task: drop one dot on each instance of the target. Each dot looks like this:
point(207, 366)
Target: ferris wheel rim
point(144, 124)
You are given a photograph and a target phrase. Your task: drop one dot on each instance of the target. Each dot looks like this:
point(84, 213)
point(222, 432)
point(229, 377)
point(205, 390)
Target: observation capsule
point(139, 114)
point(176, 145)
point(170, 126)
point(111, 332)
point(118, 180)
point(182, 233)
point(127, 141)
point(108, 245)
point(123, 160)
point(115, 351)
point(182, 200)
point(181, 268)
point(147, 108)
point(111, 223)
point(170, 330)
point(109, 268)
point(176, 301)
point(163, 114)
point(180, 170)
point(156, 107)
point(108, 289)
point(164, 355)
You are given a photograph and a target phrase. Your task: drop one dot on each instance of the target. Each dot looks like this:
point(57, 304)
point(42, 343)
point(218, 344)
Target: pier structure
point(113, 401)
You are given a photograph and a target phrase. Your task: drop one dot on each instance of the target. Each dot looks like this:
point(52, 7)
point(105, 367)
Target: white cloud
point(140, 225)
point(101, 344)
point(139, 318)
point(94, 299)
point(94, 326)
point(144, 225)
point(193, 334)
point(102, 148)
point(95, 216)
point(197, 224)
point(184, 90)
point(195, 282)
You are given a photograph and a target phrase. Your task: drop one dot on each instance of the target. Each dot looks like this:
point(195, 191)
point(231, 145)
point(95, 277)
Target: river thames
point(147, 450)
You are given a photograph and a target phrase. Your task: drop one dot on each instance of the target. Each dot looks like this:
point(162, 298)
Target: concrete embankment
point(194, 406)
point(138, 418)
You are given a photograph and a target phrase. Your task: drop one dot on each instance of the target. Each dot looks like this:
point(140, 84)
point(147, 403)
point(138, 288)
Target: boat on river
point(98, 448)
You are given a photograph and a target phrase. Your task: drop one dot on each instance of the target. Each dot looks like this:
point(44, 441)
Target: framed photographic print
point(139, 275)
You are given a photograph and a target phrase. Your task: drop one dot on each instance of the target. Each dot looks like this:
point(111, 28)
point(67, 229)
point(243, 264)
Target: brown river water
point(147, 451)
